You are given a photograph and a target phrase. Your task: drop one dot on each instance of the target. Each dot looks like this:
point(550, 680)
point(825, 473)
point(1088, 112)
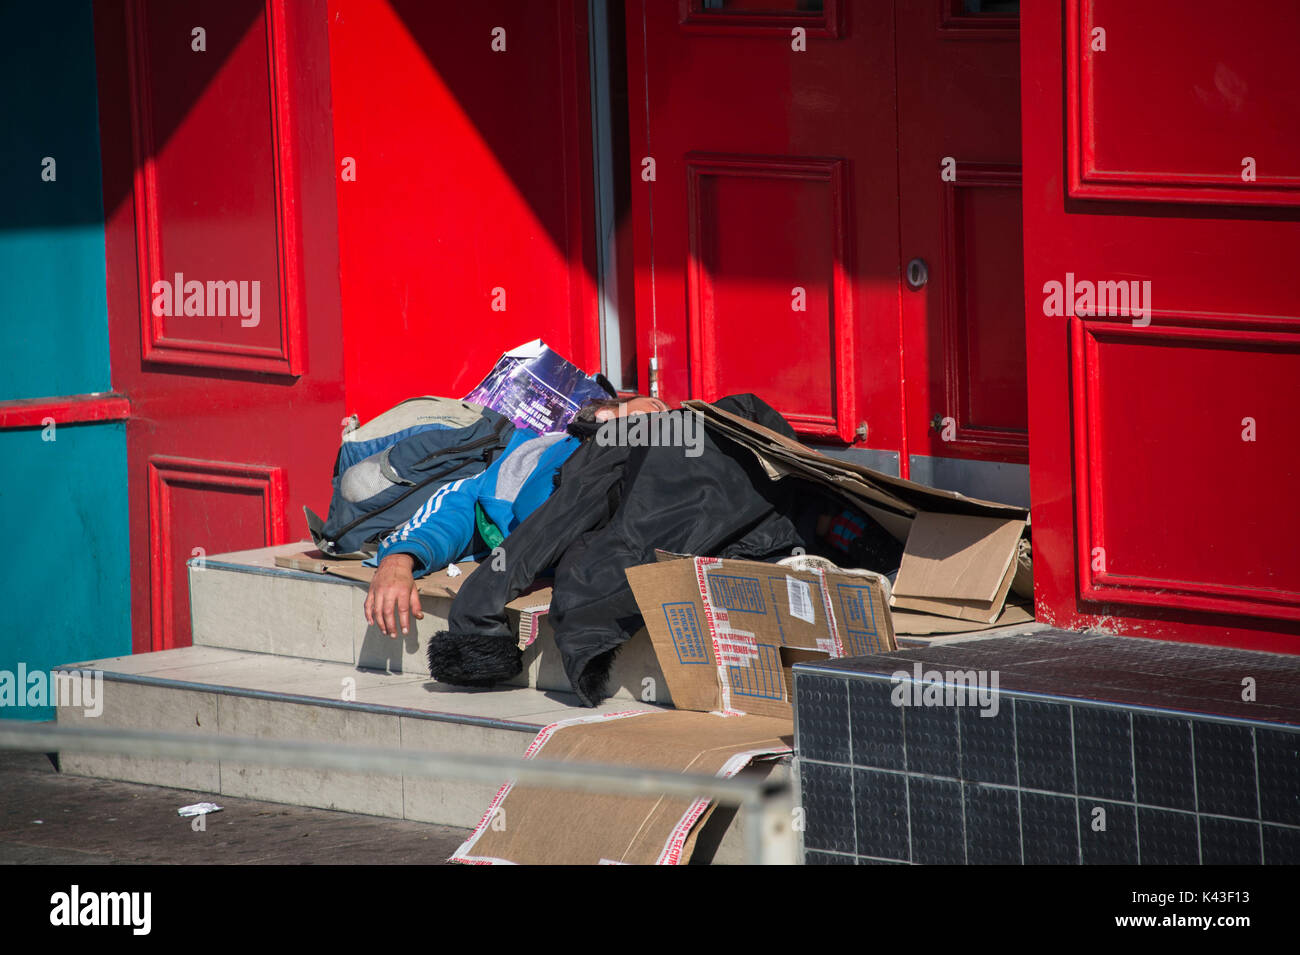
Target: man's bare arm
point(393, 597)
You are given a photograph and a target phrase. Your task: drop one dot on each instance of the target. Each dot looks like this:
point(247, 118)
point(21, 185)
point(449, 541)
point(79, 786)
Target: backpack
point(388, 468)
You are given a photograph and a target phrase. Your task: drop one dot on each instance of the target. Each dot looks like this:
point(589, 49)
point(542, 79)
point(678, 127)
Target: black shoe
point(472, 659)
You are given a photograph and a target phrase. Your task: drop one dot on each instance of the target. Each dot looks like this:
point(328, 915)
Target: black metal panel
point(988, 745)
point(1044, 747)
point(828, 806)
point(930, 740)
point(1049, 829)
point(828, 858)
point(1103, 753)
point(877, 725)
point(1109, 839)
point(992, 825)
point(824, 719)
point(1225, 769)
point(1125, 671)
point(1162, 761)
point(1230, 842)
point(1281, 845)
point(881, 806)
point(1278, 755)
point(1168, 838)
point(938, 832)
point(1097, 749)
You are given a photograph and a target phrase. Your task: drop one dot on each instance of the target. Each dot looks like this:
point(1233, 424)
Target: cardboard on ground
point(552, 826)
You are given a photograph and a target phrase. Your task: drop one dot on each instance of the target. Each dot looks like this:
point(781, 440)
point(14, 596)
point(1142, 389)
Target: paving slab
point(50, 818)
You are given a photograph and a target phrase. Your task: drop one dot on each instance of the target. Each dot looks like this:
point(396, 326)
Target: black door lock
point(917, 274)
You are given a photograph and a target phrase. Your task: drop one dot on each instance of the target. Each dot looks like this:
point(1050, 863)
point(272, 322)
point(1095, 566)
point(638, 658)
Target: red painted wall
point(472, 174)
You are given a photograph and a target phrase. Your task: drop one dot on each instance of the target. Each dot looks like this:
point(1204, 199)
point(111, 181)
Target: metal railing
point(768, 804)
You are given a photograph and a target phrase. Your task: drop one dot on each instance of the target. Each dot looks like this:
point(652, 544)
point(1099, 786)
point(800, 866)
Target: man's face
point(638, 405)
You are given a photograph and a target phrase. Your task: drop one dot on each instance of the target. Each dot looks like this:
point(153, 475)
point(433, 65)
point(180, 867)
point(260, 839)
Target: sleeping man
point(618, 503)
point(469, 517)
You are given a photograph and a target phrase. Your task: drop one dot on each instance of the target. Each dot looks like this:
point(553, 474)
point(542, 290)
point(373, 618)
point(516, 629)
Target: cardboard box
point(718, 627)
point(962, 556)
point(956, 565)
point(552, 826)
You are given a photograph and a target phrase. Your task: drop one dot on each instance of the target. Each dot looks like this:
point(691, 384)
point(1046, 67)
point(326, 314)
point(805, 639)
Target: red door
point(223, 288)
point(1162, 162)
point(959, 183)
point(767, 240)
point(795, 177)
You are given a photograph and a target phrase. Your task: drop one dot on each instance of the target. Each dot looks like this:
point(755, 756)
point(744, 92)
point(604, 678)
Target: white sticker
point(801, 604)
point(736, 648)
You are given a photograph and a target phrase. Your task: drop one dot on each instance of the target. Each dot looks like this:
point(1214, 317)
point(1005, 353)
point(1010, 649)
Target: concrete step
point(205, 689)
point(242, 601)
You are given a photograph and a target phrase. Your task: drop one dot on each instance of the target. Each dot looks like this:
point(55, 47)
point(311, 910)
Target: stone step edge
point(289, 573)
point(437, 716)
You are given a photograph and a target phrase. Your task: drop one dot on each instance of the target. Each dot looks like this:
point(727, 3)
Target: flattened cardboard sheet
point(436, 584)
point(957, 565)
point(911, 623)
point(526, 610)
point(895, 491)
point(542, 825)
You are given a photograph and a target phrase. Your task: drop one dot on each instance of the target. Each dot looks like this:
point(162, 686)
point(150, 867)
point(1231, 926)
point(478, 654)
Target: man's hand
point(393, 597)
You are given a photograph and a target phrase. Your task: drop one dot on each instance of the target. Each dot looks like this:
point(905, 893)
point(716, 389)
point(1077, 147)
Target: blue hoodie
point(514, 486)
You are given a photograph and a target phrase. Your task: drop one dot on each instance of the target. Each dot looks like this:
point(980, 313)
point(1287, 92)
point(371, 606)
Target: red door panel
point(765, 242)
point(984, 336)
point(959, 183)
point(766, 245)
point(1227, 96)
point(223, 506)
point(1164, 449)
point(1144, 539)
point(218, 166)
point(186, 125)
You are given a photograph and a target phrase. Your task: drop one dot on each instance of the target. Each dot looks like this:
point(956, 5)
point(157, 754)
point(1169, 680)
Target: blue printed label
point(862, 632)
point(737, 593)
point(761, 679)
point(685, 629)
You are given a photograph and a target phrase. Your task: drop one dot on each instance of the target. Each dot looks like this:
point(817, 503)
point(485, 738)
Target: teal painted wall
point(53, 311)
point(63, 516)
point(63, 502)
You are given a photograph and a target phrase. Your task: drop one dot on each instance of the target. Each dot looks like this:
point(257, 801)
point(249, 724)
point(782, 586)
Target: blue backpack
point(388, 468)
